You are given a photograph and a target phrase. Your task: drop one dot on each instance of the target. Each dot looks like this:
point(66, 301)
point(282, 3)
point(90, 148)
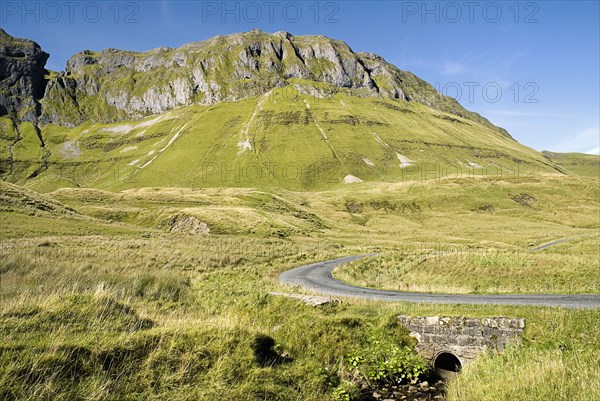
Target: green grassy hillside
point(576, 163)
point(280, 139)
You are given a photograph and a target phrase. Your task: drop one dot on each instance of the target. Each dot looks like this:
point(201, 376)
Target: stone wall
point(464, 337)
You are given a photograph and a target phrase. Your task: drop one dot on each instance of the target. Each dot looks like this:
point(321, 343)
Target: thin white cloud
point(512, 113)
point(585, 141)
point(165, 12)
point(408, 63)
point(595, 151)
point(453, 68)
point(509, 61)
point(484, 63)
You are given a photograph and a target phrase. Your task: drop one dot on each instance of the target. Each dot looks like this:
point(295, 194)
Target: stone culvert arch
point(448, 342)
point(448, 361)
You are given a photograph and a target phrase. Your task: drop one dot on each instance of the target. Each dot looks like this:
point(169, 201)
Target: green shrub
point(346, 391)
point(386, 362)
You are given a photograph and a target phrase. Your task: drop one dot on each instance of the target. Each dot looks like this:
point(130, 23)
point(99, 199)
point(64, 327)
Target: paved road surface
point(549, 244)
point(318, 277)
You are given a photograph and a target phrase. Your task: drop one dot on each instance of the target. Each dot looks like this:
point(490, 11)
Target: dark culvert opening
point(447, 361)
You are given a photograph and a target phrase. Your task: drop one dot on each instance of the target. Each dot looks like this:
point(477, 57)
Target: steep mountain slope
point(250, 110)
point(284, 139)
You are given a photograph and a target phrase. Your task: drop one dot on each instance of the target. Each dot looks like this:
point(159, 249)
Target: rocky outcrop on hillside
point(113, 85)
point(22, 82)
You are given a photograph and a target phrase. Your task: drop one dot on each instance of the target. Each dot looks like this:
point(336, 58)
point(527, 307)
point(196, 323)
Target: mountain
point(114, 85)
point(22, 77)
point(249, 109)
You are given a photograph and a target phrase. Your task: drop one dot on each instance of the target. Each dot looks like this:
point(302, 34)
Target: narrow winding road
point(548, 245)
point(318, 277)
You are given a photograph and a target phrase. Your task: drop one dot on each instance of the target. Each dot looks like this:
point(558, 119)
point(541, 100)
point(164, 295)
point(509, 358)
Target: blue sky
point(543, 56)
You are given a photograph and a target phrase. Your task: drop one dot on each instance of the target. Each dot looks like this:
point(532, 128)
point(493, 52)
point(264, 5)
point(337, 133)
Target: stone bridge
point(451, 342)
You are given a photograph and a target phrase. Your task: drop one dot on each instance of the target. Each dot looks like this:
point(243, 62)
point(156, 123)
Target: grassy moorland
point(576, 163)
point(108, 295)
point(567, 267)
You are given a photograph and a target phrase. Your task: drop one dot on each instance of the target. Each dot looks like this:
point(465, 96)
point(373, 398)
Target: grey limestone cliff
point(22, 77)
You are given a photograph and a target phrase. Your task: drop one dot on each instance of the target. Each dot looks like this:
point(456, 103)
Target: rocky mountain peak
point(113, 85)
point(22, 77)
